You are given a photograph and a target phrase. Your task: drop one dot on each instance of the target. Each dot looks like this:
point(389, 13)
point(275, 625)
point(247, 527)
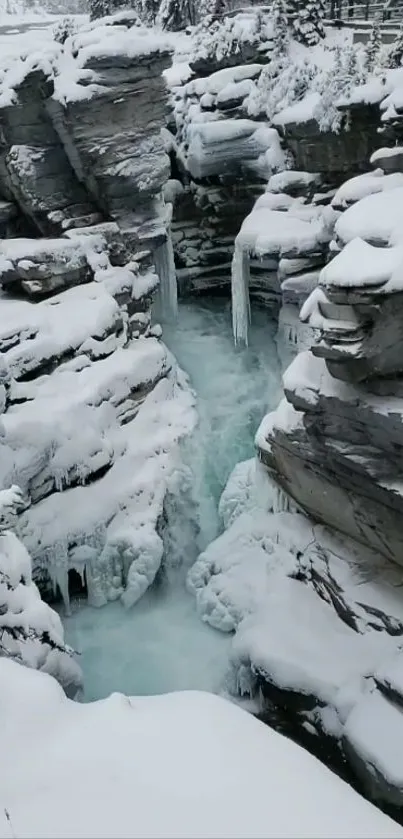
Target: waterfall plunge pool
point(161, 644)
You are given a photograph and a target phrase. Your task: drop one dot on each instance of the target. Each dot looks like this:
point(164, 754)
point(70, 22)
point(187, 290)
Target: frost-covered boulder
point(31, 632)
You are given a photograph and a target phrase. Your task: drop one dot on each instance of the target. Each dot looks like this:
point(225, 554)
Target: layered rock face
point(333, 446)
point(348, 385)
point(84, 374)
point(228, 150)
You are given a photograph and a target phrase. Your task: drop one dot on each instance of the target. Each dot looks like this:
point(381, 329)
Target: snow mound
point(129, 753)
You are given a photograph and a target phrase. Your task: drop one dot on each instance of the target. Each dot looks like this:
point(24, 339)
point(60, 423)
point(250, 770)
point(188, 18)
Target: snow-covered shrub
point(282, 83)
point(394, 56)
point(281, 35)
point(65, 28)
point(217, 39)
point(211, 8)
point(174, 15)
point(308, 26)
point(102, 8)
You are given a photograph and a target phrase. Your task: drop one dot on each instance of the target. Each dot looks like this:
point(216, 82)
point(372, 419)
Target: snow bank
point(146, 764)
point(108, 527)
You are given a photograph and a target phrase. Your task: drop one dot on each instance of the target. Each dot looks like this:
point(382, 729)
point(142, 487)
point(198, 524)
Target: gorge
point(208, 489)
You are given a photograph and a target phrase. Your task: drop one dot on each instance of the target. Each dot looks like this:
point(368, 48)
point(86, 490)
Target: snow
point(386, 151)
point(267, 231)
point(215, 146)
point(362, 185)
point(361, 264)
point(167, 744)
point(376, 218)
point(375, 732)
point(108, 526)
point(299, 112)
point(293, 230)
point(33, 333)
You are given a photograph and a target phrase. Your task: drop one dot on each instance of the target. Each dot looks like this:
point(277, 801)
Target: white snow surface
point(144, 764)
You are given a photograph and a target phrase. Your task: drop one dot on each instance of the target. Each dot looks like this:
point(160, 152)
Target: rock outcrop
point(85, 249)
point(31, 633)
point(334, 447)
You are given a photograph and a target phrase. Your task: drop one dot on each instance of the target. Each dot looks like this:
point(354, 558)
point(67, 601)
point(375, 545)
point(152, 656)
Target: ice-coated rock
point(31, 632)
point(93, 405)
point(334, 447)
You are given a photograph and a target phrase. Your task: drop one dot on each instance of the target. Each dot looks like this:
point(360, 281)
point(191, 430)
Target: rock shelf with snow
point(162, 644)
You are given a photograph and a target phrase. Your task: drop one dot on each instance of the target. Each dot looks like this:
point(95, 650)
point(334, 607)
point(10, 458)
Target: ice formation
point(31, 632)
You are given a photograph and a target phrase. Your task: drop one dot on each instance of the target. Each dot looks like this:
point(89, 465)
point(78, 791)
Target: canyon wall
point(85, 248)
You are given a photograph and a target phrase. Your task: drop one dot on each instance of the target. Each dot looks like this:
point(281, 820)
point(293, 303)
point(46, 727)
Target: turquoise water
point(161, 645)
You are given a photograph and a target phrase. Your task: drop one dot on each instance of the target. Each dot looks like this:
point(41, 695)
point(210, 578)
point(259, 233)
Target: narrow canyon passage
point(161, 644)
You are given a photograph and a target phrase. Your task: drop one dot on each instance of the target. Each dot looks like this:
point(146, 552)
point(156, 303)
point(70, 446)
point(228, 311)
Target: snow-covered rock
point(333, 446)
point(31, 632)
point(94, 406)
point(168, 744)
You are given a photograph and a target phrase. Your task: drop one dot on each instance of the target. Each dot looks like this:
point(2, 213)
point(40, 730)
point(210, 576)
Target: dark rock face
point(335, 155)
point(206, 222)
point(34, 169)
point(113, 139)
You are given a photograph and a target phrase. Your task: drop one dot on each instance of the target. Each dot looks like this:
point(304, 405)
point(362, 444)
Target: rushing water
point(161, 644)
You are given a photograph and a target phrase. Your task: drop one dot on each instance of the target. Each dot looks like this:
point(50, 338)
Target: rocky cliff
point(85, 248)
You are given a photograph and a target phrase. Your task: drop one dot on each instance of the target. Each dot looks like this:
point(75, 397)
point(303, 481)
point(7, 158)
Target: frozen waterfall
point(165, 268)
point(161, 644)
point(240, 278)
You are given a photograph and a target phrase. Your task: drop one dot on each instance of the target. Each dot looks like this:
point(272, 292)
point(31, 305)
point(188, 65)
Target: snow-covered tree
point(308, 22)
point(213, 8)
point(279, 20)
point(101, 8)
point(373, 46)
point(174, 14)
point(395, 52)
point(65, 28)
point(335, 85)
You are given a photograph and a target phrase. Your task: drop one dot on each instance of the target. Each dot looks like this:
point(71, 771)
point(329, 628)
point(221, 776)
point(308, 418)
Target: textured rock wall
point(82, 170)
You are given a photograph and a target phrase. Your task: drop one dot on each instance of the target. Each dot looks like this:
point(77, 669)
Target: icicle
point(165, 268)
point(240, 276)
